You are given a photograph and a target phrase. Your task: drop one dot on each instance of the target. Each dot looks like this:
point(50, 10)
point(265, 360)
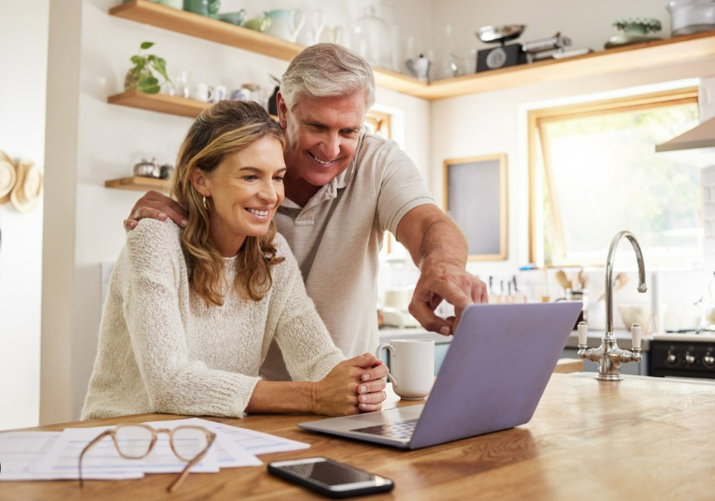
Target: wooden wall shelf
point(627, 58)
point(187, 23)
point(138, 183)
point(161, 103)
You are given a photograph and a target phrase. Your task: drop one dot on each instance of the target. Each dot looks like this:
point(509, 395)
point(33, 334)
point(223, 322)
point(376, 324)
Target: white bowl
point(635, 314)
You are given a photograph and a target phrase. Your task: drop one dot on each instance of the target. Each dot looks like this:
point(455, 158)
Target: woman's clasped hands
point(353, 386)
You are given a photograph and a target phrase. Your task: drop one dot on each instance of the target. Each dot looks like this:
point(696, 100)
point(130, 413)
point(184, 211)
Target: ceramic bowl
point(492, 34)
point(635, 314)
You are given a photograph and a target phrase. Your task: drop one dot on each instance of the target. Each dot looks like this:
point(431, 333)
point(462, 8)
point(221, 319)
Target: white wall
point(23, 57)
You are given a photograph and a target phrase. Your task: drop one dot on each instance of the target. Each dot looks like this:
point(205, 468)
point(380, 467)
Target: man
point(343, 189)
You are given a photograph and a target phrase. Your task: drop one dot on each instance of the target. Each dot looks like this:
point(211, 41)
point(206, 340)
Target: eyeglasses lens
point(133, 441)
point(189, 442)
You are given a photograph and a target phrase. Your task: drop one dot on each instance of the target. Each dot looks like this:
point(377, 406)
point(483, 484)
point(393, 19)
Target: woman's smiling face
point(243, 193)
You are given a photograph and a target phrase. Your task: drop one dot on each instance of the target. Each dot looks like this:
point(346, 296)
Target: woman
point(190, 313)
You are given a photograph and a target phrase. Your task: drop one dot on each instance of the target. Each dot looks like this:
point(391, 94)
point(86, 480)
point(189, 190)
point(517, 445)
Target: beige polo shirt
point(337, 236)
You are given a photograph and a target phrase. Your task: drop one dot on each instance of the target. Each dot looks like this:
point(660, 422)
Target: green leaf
point(139, 67)
point(160, 66)
point(137, 59)
point(151, 57)
point(146, 45)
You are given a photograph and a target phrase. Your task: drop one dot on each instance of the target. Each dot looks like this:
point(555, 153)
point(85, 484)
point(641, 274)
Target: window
point(378, 123)
point(594, 171)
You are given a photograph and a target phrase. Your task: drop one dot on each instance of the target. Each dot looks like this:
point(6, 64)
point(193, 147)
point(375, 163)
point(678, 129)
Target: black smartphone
point(330, 478)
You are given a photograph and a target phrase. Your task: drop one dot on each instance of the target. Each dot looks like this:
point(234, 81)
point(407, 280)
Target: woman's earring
point(206, 206)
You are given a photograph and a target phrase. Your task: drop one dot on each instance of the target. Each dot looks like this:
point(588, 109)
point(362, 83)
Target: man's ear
point(200, 181)
point(282, 109)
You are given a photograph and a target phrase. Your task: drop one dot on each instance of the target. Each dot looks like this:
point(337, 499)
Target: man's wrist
point(442, 263)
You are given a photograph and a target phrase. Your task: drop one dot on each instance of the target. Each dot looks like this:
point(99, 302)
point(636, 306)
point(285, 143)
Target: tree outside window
point(594, 172)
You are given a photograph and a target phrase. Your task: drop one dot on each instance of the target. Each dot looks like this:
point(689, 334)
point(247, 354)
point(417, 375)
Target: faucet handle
point(636, 331)
point(582, 333)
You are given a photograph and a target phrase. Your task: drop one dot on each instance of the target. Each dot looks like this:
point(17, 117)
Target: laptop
point(492, 378)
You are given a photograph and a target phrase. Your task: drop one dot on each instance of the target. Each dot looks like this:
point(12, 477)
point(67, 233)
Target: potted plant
point(142, 75)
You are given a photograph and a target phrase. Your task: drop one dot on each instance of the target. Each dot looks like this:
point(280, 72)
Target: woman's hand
point(353, 386)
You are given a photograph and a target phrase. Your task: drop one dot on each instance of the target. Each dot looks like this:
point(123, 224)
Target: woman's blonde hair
point(223, 129)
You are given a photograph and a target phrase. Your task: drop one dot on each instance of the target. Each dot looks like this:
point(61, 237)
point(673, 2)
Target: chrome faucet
point(609, 356)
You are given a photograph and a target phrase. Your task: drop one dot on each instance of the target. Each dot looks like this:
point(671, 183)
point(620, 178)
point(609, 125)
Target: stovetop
point(682, 355)
point(694, 336)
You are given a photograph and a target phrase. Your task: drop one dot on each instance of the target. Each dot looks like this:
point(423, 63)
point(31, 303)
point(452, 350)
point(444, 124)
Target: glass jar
point(370, 37)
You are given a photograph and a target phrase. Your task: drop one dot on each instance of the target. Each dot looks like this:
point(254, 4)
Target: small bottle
point(492, 297)
point(580, 295)
point(519, 296)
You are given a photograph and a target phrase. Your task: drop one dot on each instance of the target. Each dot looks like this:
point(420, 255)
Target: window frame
point(537, 117)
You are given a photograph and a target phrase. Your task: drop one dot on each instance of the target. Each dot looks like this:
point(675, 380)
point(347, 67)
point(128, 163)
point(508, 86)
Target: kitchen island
point(642, 438)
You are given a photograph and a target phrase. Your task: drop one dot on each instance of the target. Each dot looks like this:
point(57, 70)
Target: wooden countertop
point(642, 438)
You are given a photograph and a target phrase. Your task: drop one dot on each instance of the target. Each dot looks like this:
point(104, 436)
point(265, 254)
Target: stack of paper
point(55, 455)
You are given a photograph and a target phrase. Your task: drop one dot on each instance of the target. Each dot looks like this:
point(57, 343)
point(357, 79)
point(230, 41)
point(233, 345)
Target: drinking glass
point(182, 81)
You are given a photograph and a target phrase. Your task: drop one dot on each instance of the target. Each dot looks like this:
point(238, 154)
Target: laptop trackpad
point(388, 416)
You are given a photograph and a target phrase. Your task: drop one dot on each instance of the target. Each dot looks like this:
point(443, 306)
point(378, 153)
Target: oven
point(682, 355)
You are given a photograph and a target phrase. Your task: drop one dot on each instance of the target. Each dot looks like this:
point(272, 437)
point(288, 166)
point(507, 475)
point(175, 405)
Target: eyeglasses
point(136, 441)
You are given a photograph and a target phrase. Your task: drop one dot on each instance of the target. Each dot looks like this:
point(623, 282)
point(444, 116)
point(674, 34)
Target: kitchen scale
point(504, 55)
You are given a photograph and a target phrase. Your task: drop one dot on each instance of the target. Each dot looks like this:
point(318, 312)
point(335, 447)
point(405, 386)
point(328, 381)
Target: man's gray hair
point(327, 70)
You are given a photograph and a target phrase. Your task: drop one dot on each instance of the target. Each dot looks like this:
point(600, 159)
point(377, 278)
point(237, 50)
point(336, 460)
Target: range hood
point(695, 147)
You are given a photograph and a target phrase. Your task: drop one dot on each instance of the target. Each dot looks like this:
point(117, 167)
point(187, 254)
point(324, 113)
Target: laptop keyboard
point(399, 429)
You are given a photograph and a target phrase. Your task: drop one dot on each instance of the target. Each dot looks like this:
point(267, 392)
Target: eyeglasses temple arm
point(84, 451)
point(176, 483)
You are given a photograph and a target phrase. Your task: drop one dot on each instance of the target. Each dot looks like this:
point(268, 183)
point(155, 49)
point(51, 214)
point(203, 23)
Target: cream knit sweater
point(161, 349)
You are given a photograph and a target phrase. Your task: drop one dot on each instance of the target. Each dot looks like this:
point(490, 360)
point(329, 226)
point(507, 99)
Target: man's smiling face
point(321, 137)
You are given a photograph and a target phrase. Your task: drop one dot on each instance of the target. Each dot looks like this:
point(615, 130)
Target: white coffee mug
point(217, 93)
point(411, 366)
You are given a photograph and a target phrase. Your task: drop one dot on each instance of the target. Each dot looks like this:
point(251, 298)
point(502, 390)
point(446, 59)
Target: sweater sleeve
point(308, 350)
point(175, 384)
